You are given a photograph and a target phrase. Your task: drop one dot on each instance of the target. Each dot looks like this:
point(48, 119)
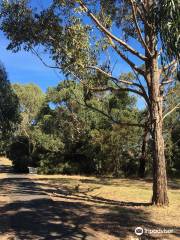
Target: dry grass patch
point(5, 161)
point(117, 206)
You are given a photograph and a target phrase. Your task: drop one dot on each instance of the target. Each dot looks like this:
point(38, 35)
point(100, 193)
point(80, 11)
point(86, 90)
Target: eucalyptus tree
point(168, 22)
point(80, 34)
point(30, 99)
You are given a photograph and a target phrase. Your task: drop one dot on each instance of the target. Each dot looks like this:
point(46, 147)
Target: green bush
point(18, 152)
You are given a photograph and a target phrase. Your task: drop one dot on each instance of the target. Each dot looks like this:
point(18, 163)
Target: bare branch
point(43, 62)
point(109, 34)
point(143, 6)
point(126, 59)
point(146, 97)
point(134, 10)
point(112, 89)
point(168, 66)
point(143, 93)
point(133, 91)
point(116, 80)
point(167, 82)
point(110, 76)
point(172, 110)
point(143, 18)
point(101, 71)
point(167, 78)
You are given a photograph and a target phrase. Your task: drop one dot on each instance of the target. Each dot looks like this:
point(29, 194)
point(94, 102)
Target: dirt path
point(28, 212)
point(25, 208)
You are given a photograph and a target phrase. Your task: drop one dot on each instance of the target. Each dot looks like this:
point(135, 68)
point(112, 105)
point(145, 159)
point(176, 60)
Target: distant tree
point(23, 145)
point(90, 129)
point(9, 109)
point(171, 130)
point(30, 99)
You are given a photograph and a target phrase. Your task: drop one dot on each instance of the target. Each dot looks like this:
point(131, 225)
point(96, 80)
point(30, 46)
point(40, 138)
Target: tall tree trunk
point(155, 109)
point(142, 161)
point(159, 165)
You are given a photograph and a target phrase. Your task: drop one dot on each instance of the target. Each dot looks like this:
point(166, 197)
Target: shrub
point(19, 153)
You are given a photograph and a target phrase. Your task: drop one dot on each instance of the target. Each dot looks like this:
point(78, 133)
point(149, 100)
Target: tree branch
point(120, 80)
point(143, 6)
point(126, 59)
point(43, 62)
point(167, 82)
point(142, 94)
point(138, 28)
point(125, 124)
point(109, 75)
point(170, 64)
point(112, 89)
point(167, 79)
point(146, 97)
point(167, 67)
point(143, 18)
point(109, 34)
point(172, 110)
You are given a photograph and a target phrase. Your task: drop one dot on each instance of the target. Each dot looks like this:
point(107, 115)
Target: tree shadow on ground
point(172, 184)
point(6, 169)
point(33, 215)
point(110, 181)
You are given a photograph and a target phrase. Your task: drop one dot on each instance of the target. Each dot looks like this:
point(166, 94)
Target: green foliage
point(45, 142)
point(9, 109)
point(168, 24)
point(171, 132)
point(30, 97)
point(89, 147)
point(68, 137)
point(117, 150)
point(175, 168)
point(18, 152)
point(66, 40)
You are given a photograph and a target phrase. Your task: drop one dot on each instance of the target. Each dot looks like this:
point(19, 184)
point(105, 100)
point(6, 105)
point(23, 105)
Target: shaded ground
point(33, 207)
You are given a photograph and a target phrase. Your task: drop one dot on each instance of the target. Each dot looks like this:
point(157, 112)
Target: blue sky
point(23, 67)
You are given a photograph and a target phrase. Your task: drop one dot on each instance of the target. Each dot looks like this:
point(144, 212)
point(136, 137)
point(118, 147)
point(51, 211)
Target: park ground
point(62, 207)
